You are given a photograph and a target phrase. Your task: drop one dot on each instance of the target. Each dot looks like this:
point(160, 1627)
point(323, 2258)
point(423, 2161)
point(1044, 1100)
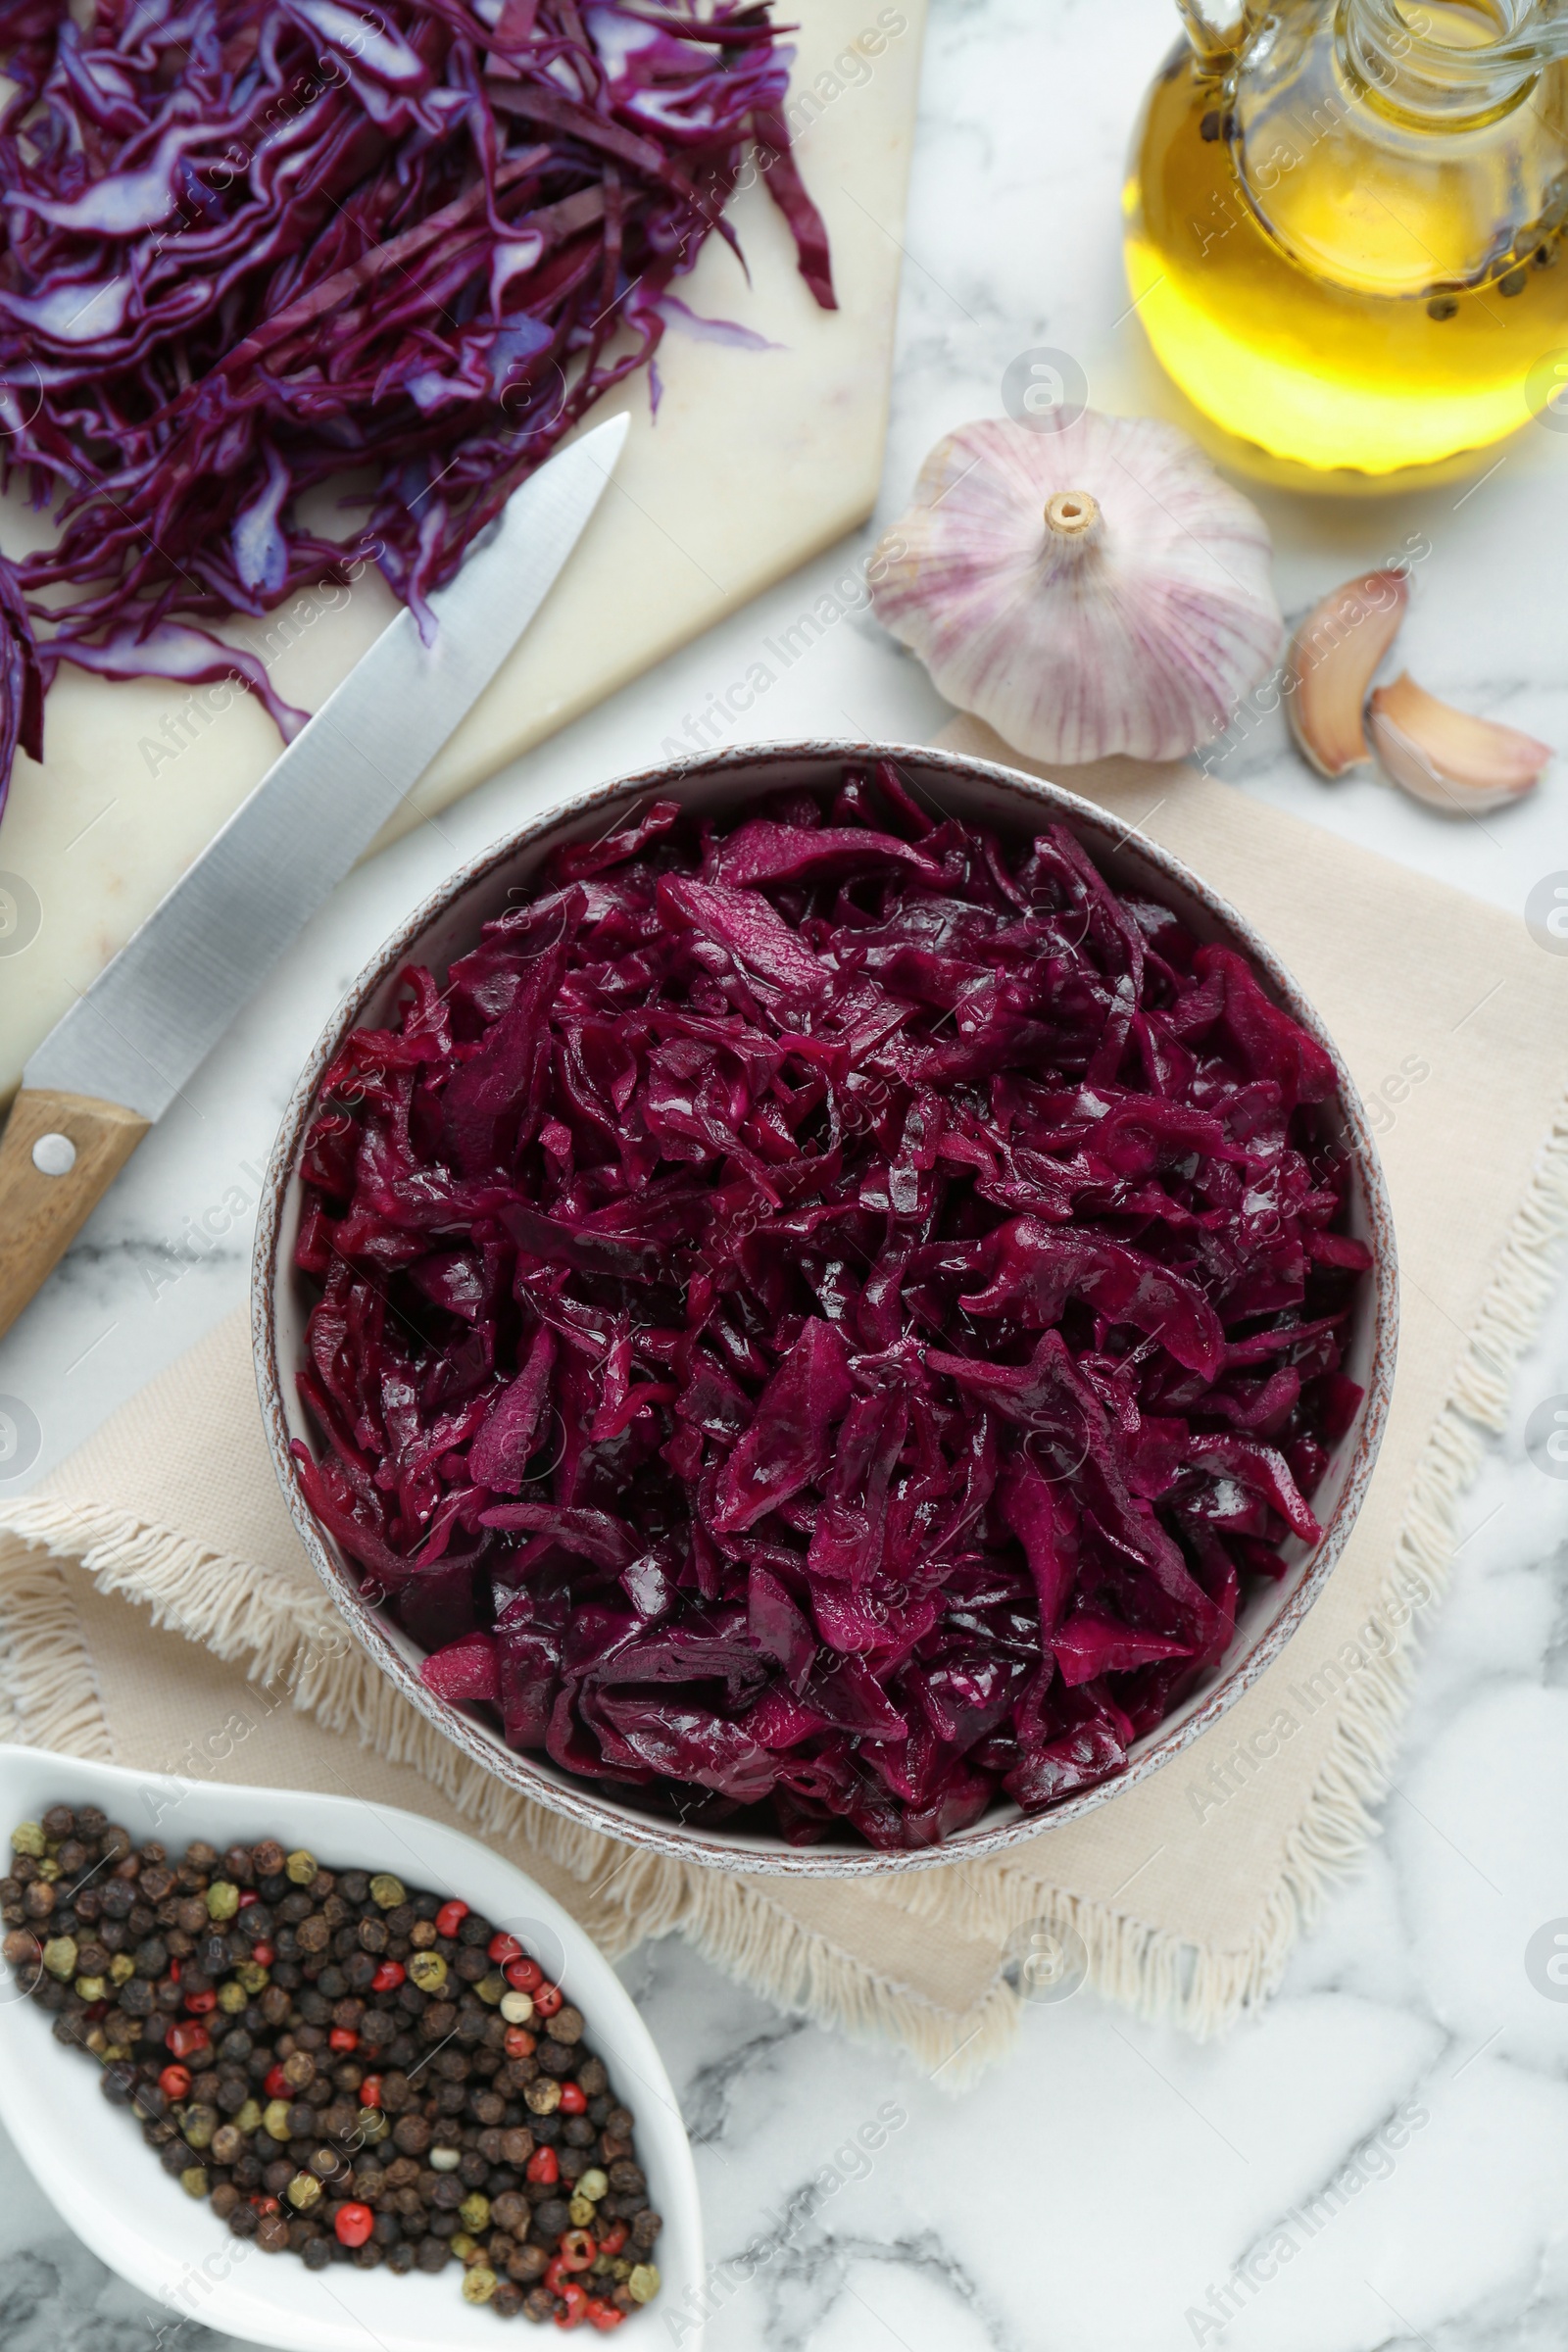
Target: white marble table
point(1101, 2188)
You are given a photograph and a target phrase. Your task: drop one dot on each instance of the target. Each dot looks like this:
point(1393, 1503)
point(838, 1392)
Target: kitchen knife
point(125, 1048)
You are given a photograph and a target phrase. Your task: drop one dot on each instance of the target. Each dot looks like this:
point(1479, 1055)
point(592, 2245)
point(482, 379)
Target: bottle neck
point(1448, 65)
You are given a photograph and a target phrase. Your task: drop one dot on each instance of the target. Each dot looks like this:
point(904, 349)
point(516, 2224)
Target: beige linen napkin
point(1189, 1889)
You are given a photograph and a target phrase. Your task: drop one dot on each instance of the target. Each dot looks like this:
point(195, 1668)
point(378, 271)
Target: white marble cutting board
point(758, 459)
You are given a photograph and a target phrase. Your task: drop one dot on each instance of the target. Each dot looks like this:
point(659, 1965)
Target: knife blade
point(126, 1047)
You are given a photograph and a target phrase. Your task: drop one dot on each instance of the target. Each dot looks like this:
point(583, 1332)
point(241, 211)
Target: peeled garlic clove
point(1452, 760)
point(1332, 659)
point(1087, 587)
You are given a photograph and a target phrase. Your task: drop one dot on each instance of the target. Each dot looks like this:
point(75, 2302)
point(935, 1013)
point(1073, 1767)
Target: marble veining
point(1110, 2186)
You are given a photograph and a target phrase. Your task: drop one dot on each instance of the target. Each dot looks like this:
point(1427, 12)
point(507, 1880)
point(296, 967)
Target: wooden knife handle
point(58, 1158)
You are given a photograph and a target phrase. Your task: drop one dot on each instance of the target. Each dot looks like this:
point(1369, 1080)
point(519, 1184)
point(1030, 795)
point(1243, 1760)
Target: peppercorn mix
point(348, 2069)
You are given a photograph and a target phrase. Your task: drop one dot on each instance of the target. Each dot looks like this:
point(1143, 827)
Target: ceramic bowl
point(731, 782)
point(88, 2157)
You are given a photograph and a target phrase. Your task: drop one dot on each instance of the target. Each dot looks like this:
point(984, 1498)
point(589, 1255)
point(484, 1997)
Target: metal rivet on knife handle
point(41, 1210)
point(54, 1155)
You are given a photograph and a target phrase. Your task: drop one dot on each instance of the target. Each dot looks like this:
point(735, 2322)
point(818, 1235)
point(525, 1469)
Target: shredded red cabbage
point(249, 246)
point(819, 1322)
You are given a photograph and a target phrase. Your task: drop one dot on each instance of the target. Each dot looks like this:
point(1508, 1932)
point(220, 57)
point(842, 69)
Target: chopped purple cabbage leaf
point(251, 247)
point(816, 1325)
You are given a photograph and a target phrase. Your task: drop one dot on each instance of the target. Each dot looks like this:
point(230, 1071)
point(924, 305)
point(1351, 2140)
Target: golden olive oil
point(1347, 282)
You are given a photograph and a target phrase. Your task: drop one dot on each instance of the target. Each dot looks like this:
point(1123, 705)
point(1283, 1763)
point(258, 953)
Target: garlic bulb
point(1086, 588)
point(1456, 762)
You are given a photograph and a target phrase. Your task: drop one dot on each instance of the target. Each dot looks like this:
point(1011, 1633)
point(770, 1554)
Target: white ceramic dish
point(88, 2157)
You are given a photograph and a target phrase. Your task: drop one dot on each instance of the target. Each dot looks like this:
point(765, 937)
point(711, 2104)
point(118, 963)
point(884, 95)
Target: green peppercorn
point(49, 1870)
point(304, 2190)
point(274, 2119)
point(121, 1968)
point(90, 1988)
point(28, 1838)
point(492, 1988)
point(581, 2210)
point(198, 2125)
point(479, 2284)
point(222, 1900)
point(194, 2180)
point(231, 1997)
point(474, 2212)
point(428, 1971)
point(594, 2184)
point(253, 1976)
point(643, 2284)
point(465, 2248)
point(386, 1892)
point(60, 1957)
point(300, 1867)
point(249, 2118)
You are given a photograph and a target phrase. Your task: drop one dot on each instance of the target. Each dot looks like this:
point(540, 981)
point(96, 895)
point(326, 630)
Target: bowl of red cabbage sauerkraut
point(824, 1308)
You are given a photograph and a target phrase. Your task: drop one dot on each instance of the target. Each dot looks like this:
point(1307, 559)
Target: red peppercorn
point(576, 2301)
point(201, 2004)
point(174, 2081)
point(576, 2250)
point(503, 1947)
point(573, 2099)
point(554, 2278)
point(613, 2238)
point(187, 2037)
point(542, 2166)
point(388, 1976)
point(369, 2093)
point(264, 2204)
point(174, 1972)
point(519, 2043)
point(524, 1974)
point(262, 1954)
point(451, 1916)
point(548, 1998)
point(343, 2037)
point(248, 1896)
point(601, 2314)
point(276, 2084)
point(353, 2225)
